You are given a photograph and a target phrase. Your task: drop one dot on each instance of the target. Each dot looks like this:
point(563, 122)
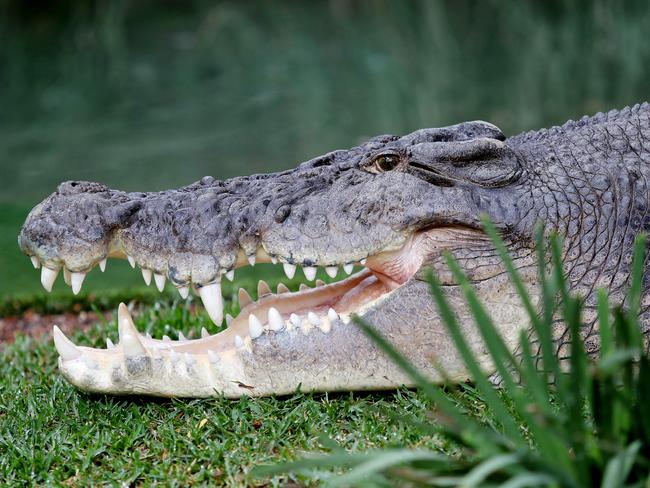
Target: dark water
point(149, 95)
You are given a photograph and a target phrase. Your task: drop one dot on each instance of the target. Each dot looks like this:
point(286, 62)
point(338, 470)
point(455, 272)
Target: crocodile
point(377, 217)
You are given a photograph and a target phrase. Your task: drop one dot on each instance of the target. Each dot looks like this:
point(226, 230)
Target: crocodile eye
point(383, 163)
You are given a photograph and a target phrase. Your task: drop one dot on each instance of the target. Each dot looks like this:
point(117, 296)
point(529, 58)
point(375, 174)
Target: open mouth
point(310, 310)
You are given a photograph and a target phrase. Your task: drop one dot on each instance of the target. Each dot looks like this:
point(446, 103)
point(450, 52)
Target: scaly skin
point(392, 204)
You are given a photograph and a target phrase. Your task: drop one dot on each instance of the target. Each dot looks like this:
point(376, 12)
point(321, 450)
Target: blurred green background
point(147, 95)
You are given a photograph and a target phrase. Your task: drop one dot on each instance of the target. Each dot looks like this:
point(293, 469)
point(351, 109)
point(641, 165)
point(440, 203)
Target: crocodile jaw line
point(213, 364)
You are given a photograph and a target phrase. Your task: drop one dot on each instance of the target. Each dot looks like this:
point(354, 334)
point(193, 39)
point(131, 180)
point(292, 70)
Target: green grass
point(52, 433)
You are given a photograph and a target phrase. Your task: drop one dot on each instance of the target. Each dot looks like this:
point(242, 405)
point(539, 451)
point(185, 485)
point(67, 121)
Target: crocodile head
point(374, 216)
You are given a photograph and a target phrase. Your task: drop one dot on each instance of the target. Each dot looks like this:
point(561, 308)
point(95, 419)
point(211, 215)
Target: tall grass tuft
point(576, 424)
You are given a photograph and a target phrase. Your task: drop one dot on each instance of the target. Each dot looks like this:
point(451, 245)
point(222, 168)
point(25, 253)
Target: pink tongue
point(369, 289)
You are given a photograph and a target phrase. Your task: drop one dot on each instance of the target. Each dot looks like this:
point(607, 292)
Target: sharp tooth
point(313, 318)
point(229, 319)
point(67, 276)
point(131, 260)
point(363, 262)
point(289, 270)
point(274, 260)
point(332, 271)
point(255, 328)
point(320, 282)
point(64, 346)
point(125, 323)
point(239, 342)
point(310, 272)
point(148, 335)
point(251, 259)
point(244, 298)
point(276, 322)
point(147, 274)
point(213, 357)
point(303, 287)
point(348, 268)
point(263, 289)
point(48, 277)
point(174, 356)
point(160, 281)
point(332, 315)
point(166, 338)
point(102, 265)
point(295, 319)
point(204, 333)
point(181, 336)
point(212, 301)
point(77, 280)
point(282, 288)
point(325, 326)
point(131, 346)
point(230, 275)
point(109, 343)
point(35, 262)
point(184, 291)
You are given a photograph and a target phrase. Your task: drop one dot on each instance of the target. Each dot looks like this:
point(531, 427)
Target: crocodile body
point(387, 209)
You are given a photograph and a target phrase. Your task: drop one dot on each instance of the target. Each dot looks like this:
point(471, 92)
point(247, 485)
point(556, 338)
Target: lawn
point(51, 433)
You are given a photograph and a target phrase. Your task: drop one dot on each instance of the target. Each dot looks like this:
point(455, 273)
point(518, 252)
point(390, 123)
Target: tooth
point(131, 260)
point(282, 288)
point(229, 319)
point(230, 275)
point(332, 315)
point(255, 328)
point(263, 289)
point(320, 282)
point(212, 301)
point(303, 287)
point(148, 335)
point(64, 346)
point(239, 343)
point(348, 268)
point(213, 357)
point(244, 298)
point(332, 271)
point(363, 262)
point(181, 336)
point(160, 281)
point(251, 259)
point(147, 274)
point(166, 338)
point(102, 265)
point(109, 343)
point(276, 322)
point(313, 318)
point(289, 270)
point(310, 272)
point(131, 346)
point(174, 356)
point(125, 323)
point(274, 260)
point(77, 280)
point(184, 291)
point(295, 319)
point(67, 276)
point(325, 326)
point(204, 333)
point(35, 262)
point(48, 276)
